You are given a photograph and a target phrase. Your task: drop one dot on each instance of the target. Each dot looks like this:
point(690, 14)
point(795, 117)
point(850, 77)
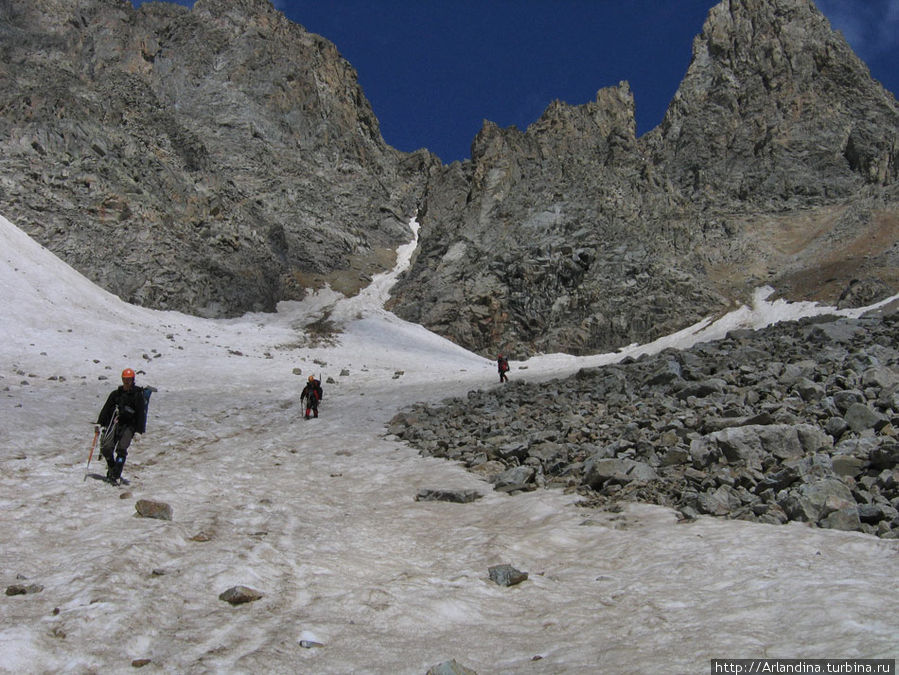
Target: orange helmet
point(312, 378)
point(127, 373)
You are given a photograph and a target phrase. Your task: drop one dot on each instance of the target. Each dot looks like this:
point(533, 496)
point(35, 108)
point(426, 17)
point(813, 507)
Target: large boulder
point(619, 470)
point(813, 502)
point(752, 444)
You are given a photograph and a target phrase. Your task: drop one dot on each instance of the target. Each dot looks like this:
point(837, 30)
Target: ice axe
point(93, 445)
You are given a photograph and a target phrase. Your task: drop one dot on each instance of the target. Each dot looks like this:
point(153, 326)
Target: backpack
point(313, 391)
point(148, 391)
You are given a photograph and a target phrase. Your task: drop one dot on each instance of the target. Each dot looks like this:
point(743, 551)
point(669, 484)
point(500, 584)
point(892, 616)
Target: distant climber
point(502, 365)
point(122, 419)
point(312, 394)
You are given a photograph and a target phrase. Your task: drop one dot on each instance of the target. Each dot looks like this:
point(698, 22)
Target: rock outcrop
point(222, 159)
point(777, 109)
point(213, 160)
point(775, 164)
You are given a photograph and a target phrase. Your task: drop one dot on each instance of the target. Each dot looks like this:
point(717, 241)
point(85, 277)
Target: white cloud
point(889, 25)
point(870, 27)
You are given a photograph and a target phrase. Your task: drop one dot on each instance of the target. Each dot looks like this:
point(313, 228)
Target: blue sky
point(433, 70)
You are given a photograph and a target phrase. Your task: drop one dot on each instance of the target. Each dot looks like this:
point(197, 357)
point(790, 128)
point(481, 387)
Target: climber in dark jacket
point(123, 417)
point(502, 366)
point(311, 394)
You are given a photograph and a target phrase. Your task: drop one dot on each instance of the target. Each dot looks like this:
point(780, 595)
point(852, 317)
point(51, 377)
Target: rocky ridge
point(214, 160)
point(776, 164)
point(796, 422)
point(222, 159)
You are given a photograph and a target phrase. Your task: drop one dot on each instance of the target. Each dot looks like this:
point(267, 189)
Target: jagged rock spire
point(775, 164)
point(776, 103)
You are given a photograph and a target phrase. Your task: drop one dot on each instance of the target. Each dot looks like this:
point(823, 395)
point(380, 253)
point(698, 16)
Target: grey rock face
point(776, 105)
point(544, 240)
point(222, 159)
point(214, 160)
point(776, 163)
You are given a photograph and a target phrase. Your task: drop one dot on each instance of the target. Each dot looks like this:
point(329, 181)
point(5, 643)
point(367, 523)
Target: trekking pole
point(90, 456)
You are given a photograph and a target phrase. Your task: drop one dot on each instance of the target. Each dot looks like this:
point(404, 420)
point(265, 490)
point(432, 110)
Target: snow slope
point(320, 515)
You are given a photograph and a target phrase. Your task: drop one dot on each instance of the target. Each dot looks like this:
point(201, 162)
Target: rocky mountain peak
point(241, 11)
point(775, 164)
point(226, 128)
point(248, 141)
point(602, 130)
point(612, 114)
point(240, 15)
point(776, 104)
